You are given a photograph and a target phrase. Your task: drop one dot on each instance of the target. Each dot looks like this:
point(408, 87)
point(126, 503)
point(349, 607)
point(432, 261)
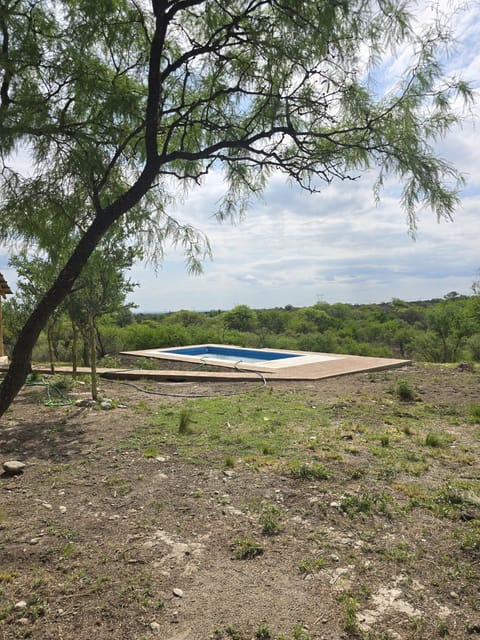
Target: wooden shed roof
point(4, 288)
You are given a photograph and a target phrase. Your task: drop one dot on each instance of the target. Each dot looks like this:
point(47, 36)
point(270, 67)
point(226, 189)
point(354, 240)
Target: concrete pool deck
point(341, 366)
point(335, 365)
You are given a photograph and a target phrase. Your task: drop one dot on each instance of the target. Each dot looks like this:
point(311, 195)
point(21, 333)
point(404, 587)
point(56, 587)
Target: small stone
point(229, 474)
point(155, 627)
point(106, 405)
point(47, 505)
point(85, 402)
point(34, 541)
point(22, 604)
point(23, 621)
point(13, 467)
point(62, 509)
point(178, 592)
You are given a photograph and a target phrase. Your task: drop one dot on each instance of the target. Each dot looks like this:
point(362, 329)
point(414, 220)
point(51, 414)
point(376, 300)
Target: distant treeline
point(438, 330)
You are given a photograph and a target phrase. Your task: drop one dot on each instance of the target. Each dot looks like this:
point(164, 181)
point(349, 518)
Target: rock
point(178, 592)
point(85, 403)
point(23, 621)
point(155, 627)
point(62, 509)
point(13, 467)
point(228, 474)
point(22, 604)
point(106, 405)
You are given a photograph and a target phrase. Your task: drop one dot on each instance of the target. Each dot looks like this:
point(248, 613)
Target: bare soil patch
point(101, 539)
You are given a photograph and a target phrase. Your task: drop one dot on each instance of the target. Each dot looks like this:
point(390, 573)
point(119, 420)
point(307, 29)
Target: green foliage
point(404, 391)
point(309, 471)
point(270, 519)
point(245, 549)
point(123, 112)
point(311, 565)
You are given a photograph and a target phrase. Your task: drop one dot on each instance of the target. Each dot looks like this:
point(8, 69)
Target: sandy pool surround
point(206, 355)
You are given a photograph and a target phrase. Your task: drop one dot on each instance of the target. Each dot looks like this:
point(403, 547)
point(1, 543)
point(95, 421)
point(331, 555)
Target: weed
point(245, 549)
point(474, 413)
point(470, 539)
point(309, 566)
point(399, 553)
point(269, 519)
point(385, 440)
point(300, 633)
point(436, 440)
point(61, 382)
point(185, 422)
point(305, 471)
point(263, 633)
point(121, 486)
point(229, 462)
point(6, 576)
point(67, 550)
point(151, 451)
point(233, 633)
point(350, 622)
point(404, 391)
point(442, 629)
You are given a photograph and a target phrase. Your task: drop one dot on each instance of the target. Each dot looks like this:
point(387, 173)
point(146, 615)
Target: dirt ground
point(99, 542)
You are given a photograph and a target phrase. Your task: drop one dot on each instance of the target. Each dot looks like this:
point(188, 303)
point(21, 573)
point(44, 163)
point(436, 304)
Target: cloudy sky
point(335, 246)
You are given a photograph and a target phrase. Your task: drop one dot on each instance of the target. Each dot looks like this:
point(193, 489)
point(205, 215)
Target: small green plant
point(233, 633)
point(404, 391)
point(385, 440)
point(269, 519)
point(185, 422)
point(436, 440)
point(300, 633)
point(229, 462)
point(474, 412)
point(245, 549)
point(350, 622)
point(442, 629)
point(263, 633)
point(312, 471)
point(61, 382)
point(308, 566)
point(67, 550)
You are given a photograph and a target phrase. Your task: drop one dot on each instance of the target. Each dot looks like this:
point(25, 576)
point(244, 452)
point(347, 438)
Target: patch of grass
point(350, 621)
point(404, 390)
point(437, 439)
point(263, 633)
point(474, 413)
point(245, 549)
point(270, 519)
point(185, 420)
point(309, 566)
point(309, 471)
point(121, 486)
point(151, 451)
point(60, 382)
point(365, 503)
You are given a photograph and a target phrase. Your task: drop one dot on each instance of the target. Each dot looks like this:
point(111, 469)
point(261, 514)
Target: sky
point(296, 248)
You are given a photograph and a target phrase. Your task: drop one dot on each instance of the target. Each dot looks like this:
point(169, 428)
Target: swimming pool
point(233, 356)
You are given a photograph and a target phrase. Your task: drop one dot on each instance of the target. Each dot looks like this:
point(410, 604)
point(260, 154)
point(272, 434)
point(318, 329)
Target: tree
point(120, 103)
point(100, 289)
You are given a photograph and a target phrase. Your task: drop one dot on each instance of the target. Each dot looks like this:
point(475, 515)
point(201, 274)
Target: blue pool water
point(231, 354)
